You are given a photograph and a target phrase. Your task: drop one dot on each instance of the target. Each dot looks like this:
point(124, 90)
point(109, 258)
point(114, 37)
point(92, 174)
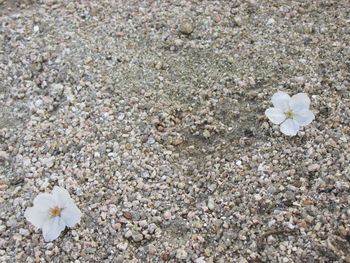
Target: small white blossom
point(53, 212)
point(290, 112)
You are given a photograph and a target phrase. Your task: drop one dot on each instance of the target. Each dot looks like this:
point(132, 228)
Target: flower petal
point(290, 127)
point(36, 216)
point(62, 196)
point(275, 115)
point(299, 101)
point(281, 100)
point(71, 215)
point(304, 117)
point(44, 201)
point(52, 228)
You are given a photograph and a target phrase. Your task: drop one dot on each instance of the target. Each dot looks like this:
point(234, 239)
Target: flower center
point(289, 114)
point(56, 211)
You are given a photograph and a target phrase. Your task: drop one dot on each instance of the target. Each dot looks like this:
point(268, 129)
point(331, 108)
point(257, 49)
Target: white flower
point(290, 112)
point(53, 212)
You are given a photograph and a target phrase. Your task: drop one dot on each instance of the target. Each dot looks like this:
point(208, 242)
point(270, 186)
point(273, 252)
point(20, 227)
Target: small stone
point(70, 6)
point(307, 203)
point(242, 260)
point(237, 20)
point(302, 224)
point(271, 21)
point(186, 28)
point(318, 226)
point(94, 11)
point(26, 162)
point(211, 203)
point(319, 139)
point(56, 90)
point(50, 2)
point(200, 260)
point(122, 246)
point(257, 197)
point(206, 134)
point(159, 65)
point(323, 29)
point(143, 223)
point(207, 252)
point(212, 187)
point(313, 167)
point(181, 254)
point(270, 240)
point(48, 162)
point(343, 231)
point(128, 234)
point(152, 249)
point(127, 215)
point(137, 237)
point(121, 117)
point(128, 146)
point(178, 42)
point(165, 256)
point(178, 141)
point(167, 215)
point(217, 222)
point(309, 219)
point(117, 226)
point(4, 155)
point(119, 259)
point(38, 103)
point(152, 228)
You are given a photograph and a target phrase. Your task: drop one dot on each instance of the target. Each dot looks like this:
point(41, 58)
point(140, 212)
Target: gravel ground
point(151, 114)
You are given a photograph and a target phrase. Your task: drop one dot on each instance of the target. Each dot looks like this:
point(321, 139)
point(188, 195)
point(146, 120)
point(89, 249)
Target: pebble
point(4, 155)
point(211, 203)
point(313, 167)
point(207, 252)
point(237, 20)
point(48, 162)
point(128, 234)
point(36, 28)
point(137, 237)
point(56, 90)
point(200, 260)
point(178, 42)
point(271, 21)
point(186, 28)
point(167, 215)
point(206, 134)
point(122, 246)
point(181, 254)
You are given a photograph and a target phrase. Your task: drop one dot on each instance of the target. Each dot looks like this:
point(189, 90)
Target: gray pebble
point(181, 254)
point(186, 28)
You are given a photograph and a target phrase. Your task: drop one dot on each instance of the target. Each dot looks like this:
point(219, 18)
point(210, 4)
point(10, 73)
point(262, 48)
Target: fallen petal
point(62, 196)
point(290, 127)
point(304, 117)
point(44, 201)
point(299, 101)
point(36, 216)
point(71, 215)
point(52, 228)
point(275, 115)
point(281, 100)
